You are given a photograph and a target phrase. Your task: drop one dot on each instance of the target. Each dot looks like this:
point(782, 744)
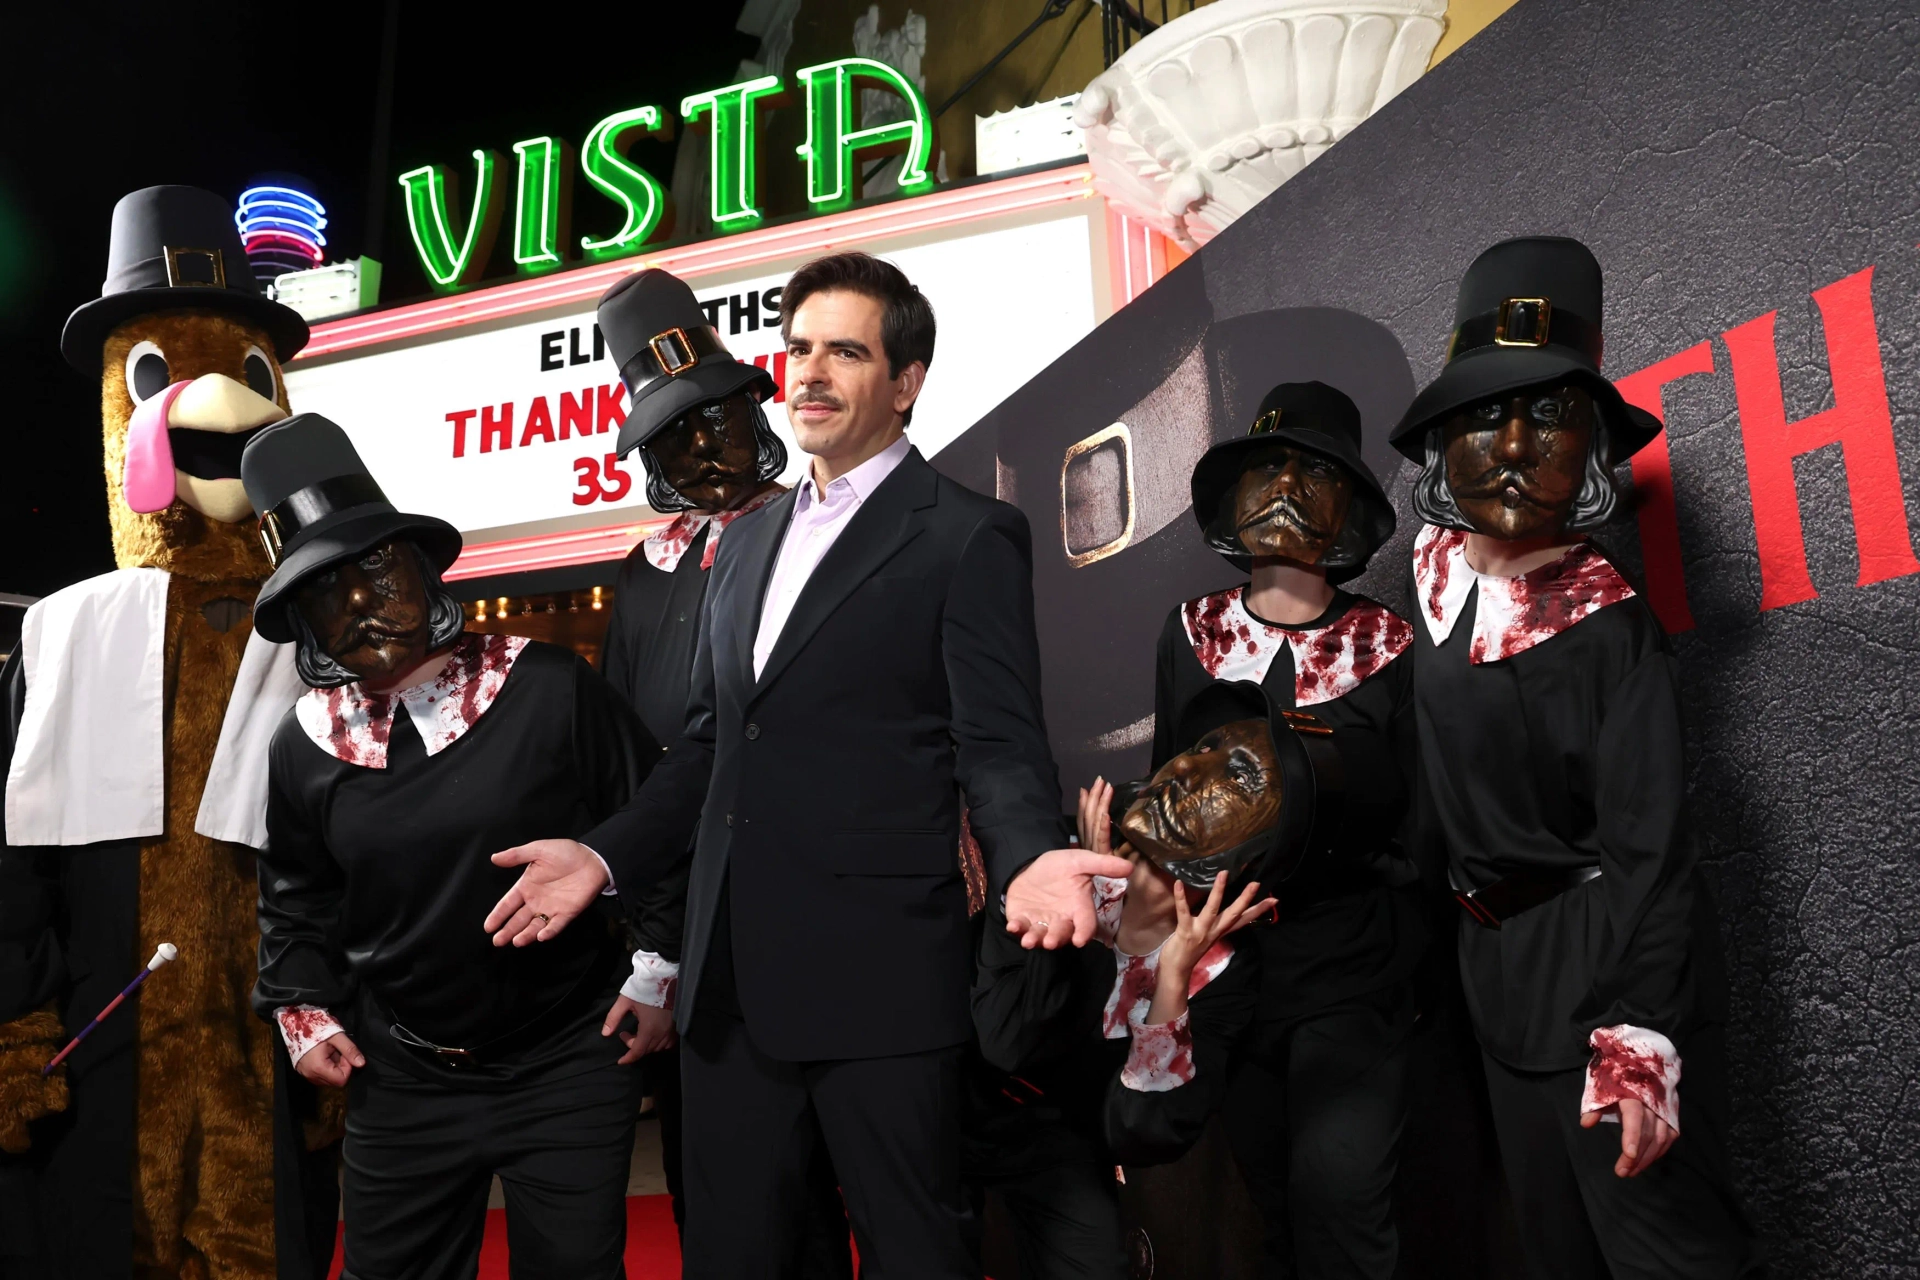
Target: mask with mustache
point(1291, 502)
point(371, 614)
point(710, 455)
point(1210, 808)
point(1516, 463)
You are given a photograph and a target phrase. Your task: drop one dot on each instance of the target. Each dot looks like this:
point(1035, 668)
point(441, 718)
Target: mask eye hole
point(147, 373)
point(259, 371)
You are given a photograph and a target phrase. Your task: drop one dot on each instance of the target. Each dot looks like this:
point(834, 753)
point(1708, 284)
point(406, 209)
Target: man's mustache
point(1284, 509)
point(821, 398)
point(1495, 481)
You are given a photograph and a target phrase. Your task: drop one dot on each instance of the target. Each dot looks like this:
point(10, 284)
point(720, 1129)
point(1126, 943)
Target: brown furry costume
point(202, 1178)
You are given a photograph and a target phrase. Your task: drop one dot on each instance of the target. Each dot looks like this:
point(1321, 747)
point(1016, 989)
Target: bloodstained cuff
point(653, 982)
point(1161, 1056)
point(303, 1026)
point(1633, 1062)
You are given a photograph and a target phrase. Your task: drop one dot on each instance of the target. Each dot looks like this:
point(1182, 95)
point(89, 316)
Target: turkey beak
point(215, 402)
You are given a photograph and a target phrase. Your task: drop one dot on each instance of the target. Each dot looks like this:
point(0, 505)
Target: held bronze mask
point(1212, 808)
point(1516, 464)
point(371, 614)
point(1291, 502)
point(710, 454)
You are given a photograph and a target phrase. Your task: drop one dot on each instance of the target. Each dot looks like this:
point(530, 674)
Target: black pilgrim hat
point(1313, 757)
point(319, 505)
point(1528, 313)
point(1307, 415)
point(173, 248)
point(669, 357)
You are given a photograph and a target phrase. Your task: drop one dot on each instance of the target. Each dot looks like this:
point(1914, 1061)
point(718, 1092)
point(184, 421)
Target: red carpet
point(653, 1249)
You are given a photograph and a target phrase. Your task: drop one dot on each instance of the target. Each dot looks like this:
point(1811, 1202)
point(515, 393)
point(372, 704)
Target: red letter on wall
point(459, 421)
point(1859, 423)
point(1653, 487)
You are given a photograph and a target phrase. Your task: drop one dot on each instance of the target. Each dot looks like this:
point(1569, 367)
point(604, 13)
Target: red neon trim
point(551, 550)
point(900, 217)
point(281, 240)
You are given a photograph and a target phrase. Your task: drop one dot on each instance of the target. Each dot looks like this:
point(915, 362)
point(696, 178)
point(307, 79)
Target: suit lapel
point(748, 592)
point(884, 523)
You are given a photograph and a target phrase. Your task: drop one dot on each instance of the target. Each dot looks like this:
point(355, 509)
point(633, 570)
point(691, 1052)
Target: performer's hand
point(1193, 936)
point(1096, 826)
point(1644, 1136)
point(653, 1029)
point(562, 878)
point(1050, 903)
point(331, 1061)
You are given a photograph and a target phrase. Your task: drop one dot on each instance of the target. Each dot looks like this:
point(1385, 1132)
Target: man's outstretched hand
point(562, 878)
point(1050, 903)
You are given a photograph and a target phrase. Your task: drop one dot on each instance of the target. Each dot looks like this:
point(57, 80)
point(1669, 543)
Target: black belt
point(533, 1030)
point(1521, 891)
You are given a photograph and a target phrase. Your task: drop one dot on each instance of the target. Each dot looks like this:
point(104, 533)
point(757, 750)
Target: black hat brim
point(1491, 371)
point(1219, 469)
point(710, 380)
point(330, 544)
point(87, 328)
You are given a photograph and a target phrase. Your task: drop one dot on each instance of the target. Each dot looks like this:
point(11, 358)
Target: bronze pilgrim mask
point(371, 614)
point(710, 454)
point(1516, 463)
point(1207, 801)
point(1291, 502)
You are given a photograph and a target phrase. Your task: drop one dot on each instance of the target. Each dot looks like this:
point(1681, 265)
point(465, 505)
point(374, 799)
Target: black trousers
point(891, 1126)
point(420, 1157)
point(1314, 1111)
point(1679, 1219)
point(824, 1252)
point(1064, 1220)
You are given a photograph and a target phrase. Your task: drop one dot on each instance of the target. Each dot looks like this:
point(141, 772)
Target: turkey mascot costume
point(138, 707)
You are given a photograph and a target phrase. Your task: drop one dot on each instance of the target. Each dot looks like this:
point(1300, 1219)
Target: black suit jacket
point(827, 793)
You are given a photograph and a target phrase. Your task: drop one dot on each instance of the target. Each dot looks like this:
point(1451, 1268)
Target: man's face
point(1222, 793)
point(371, 614)
point(1515, 463)
point(841, 398)
point(1291, 503)
point(709, 454)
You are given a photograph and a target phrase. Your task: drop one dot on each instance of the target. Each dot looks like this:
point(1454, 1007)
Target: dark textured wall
point(1724, 161)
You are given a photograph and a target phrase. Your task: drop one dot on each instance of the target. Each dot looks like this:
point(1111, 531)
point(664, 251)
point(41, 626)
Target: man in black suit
point(867, 666)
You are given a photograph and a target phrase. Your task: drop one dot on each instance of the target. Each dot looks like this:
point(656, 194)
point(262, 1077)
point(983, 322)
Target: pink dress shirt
point(816, 524)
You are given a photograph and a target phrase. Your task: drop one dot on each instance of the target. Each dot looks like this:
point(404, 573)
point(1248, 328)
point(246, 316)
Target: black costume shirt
point(1550, 737)
point(1353, 922)
point(377, 879)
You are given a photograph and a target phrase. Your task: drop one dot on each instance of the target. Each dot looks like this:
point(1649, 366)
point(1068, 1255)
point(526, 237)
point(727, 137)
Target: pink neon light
point(551, 550)
point(900, 217)
point(282, 240)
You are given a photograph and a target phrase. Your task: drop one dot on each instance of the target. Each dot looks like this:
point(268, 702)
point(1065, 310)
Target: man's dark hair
point(906, 328)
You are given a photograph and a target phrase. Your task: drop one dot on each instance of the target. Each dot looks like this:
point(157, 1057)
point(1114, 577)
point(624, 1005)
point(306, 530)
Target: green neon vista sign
point(454, 231)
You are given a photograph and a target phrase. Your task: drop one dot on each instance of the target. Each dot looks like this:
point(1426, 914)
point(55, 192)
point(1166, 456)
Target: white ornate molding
point(1203, 118)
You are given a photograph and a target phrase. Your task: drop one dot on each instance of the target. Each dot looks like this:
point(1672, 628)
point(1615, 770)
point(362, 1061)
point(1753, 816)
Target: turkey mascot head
point(188, 351)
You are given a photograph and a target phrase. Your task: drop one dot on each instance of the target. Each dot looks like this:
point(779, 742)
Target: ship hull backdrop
point(1749, 176)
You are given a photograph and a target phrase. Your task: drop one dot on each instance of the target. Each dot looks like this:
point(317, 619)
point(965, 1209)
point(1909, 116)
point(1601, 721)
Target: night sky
point(104, 99)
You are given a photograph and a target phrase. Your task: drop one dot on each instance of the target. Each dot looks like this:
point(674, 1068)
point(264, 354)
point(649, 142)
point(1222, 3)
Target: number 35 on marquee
point(600, 480)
